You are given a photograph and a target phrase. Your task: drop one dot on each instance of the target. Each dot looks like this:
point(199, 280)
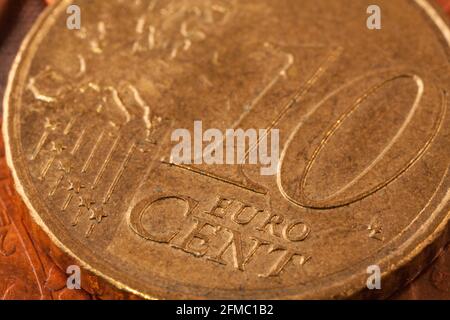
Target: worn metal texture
point(364, 125)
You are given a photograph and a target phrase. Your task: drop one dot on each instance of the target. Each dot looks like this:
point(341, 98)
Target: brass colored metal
point(364, 128)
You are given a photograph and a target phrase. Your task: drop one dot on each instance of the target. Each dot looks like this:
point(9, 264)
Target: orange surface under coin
point(445, 5)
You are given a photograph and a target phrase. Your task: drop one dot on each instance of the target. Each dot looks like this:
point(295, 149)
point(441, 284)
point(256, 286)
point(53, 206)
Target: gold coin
point(362, 181)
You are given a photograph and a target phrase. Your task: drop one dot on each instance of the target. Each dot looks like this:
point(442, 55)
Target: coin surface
point(364, 138)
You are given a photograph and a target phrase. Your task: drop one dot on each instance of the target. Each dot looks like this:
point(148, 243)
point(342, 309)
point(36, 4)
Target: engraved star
point(75, 186)
point(58, 147)
point(97, 214)
point(49, 125)
point(375, 234)
point(86, 203)
point(64, 167)
point(375, 229)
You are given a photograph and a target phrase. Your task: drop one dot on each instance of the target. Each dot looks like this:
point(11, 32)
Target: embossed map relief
point(363, 172)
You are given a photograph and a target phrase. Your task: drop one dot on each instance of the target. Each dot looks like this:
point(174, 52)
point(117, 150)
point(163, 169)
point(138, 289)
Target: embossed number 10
point(348, 193)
